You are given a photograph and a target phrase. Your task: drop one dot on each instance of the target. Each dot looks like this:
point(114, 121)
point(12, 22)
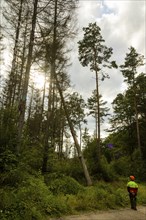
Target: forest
point(50, 163)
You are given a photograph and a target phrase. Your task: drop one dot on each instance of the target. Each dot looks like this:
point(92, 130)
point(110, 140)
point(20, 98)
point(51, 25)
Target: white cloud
point(122, 25)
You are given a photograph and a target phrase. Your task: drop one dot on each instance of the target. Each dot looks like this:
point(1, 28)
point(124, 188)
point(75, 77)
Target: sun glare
point(38, 80)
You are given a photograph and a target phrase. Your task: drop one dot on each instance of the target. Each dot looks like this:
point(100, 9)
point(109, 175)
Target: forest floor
point(122, 214)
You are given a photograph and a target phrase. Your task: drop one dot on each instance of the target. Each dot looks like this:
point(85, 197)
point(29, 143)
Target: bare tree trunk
point(46, 138)
point(137, 126)
point(42, 106)
point(11, 86)
point(30, 104)
point(98, 118)
point(26, 80)
point(23, 60)
point(80, 155)
point(136, 117)
point(80, 129)
point(86, 173)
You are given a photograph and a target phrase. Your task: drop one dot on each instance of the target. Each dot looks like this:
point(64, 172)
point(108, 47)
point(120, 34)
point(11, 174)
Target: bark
point(11, 86)
point(98, 109)
point(30, 104)
point(26, 80)
point(98, 118)
point(86, 173)
point(46, 138)
point(23, 60)
point(137, 126)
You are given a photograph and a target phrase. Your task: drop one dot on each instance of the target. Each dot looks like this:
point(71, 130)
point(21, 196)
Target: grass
point(34, 199)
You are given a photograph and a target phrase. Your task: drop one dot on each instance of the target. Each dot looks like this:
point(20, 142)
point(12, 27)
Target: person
point(132, 188)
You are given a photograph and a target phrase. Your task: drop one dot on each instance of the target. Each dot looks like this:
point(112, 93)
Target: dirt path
point(124, 214)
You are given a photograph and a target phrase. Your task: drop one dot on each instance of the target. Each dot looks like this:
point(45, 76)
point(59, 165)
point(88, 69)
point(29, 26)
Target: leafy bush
point(122, 197)
point(107, 172)
point(68, 167)
point(32, 157)
point(121, 166)
point(32, 200)
point(101, 196)
point(65, 185)
point(142, 194)
point(8, 129)
point(8, 161)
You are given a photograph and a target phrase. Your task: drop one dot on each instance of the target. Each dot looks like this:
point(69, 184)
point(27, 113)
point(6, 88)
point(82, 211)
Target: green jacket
point(132, 187)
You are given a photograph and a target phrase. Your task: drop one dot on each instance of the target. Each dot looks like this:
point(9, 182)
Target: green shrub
point(101, 196)
point(65, 185)
point(122, 197)
point(68, 167)
point(8, 129)
point(31, 156)
point(8, 161)
point(31, 200)
point(142, 194)
point(107, 172)
point(121, 166)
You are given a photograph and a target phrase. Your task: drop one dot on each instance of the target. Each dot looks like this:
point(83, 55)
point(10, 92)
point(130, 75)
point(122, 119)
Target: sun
point(38, 80)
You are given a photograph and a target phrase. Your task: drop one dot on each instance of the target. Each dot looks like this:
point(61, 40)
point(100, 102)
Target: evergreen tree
point(94, 53)
point(129, 69)
point(92, 105)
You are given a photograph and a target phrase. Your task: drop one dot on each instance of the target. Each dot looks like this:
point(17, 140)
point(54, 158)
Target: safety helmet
point(132, 178)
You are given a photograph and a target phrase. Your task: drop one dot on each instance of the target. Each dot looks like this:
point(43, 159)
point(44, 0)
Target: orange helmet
point(132, 178)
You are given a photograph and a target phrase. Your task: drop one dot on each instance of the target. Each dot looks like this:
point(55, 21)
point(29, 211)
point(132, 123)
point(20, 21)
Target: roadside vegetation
point(50, 163)
point(27, 194)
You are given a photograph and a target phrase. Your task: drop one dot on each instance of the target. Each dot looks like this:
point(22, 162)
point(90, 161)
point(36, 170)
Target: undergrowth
point(34, 199)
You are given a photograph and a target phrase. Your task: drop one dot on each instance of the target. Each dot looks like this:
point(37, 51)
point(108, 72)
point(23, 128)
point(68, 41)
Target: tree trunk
point(23, 60)
point(137, 126)
point(11, 86)
point(98, 118)
point(26, 80)
point(86, 173)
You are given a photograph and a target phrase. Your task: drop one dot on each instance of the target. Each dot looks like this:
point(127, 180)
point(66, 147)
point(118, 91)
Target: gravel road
point(122, 214)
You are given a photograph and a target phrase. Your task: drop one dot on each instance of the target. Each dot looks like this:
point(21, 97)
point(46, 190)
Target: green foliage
point(102, 170)
point(121, 197)
point(92, 106)
point(133, 60)
point(90, 153)
point(107, 172)
point(121, 166)
point(92, 50)
point(8, 129)
point(125, 157)
point(68, 167)
point(76, 106)
point(142, 194)
point(8, 161)
point(32, 200)
point(17, 168)
point(138, 166)
point(31, 156)
point(128, 120)
point(28, 201)
point(101, 196)
point(65, 185)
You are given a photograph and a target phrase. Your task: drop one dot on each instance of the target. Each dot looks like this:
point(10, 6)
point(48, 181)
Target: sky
point(122, 24)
